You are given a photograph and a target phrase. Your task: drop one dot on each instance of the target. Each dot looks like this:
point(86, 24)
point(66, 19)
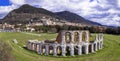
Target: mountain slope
point(25, 13)
point(72, 17)
point(33, 10)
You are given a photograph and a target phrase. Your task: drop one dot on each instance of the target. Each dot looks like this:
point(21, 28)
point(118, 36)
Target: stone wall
point(68, 42)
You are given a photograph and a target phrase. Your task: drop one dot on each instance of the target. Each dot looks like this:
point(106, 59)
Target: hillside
point(110, 52)
point(72, 17)
point(26, 12)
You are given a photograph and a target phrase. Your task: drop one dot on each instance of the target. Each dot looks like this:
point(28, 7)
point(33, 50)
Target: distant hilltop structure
point(72, 42)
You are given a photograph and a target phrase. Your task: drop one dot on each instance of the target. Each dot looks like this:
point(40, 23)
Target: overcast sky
point(106, 12)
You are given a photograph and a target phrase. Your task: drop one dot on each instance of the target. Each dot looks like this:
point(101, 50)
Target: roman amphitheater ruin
point(68, 43)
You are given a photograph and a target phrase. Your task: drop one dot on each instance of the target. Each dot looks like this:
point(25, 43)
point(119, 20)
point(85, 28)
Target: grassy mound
point(110, 52)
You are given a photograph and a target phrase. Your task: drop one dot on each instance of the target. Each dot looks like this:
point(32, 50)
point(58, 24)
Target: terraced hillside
point(110, 52)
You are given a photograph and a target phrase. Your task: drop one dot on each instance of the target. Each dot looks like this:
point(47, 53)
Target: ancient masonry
point(72, 42)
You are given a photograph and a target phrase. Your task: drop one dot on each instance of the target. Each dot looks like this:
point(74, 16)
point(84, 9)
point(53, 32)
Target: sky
point(105, 12)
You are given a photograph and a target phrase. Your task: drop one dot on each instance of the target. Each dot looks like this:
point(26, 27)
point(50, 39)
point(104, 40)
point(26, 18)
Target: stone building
point(72, 42)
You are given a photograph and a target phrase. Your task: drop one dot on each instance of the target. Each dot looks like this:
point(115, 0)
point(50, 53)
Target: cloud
point(2, 15)
point(110, 22)
point(4, 10)
point(118, 3)
point(102, 11)
point(17, 2)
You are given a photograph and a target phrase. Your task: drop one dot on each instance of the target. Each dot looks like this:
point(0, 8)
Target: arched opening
point(94, 47)
point(67, 37)
point(83, 49)
point(37, 48)
point(67, 50)
point(59, 51)
point(76, 37)
point(50, 50)
point(84, 36)
point(90, 48)
point(33, 46)
point(97, 45)
point(76, 48)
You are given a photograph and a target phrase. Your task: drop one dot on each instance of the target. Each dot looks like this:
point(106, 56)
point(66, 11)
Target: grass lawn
point(110, 52)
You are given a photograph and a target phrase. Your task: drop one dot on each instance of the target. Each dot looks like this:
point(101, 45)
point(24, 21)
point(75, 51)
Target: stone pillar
point(100, 41)
point(87, 36)
point(101, 37)
point(30, 45)
point(80, 38)
point(40, 49)
point(79, 50)
point(35, 46)
point(63, 38)
point(46, 49)
point(96, 38)
point(92, 47)
point(63, 50)
point(72, 49)
point(80, 44)
point(37, 49)
point(63, 44)
point(86, 49)
point(54, 50)
point(72, 37)
point(99, 45)
point(96, 48)
point(71, 44)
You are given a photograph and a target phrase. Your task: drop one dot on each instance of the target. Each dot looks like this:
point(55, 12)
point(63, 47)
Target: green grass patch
point(110, 52)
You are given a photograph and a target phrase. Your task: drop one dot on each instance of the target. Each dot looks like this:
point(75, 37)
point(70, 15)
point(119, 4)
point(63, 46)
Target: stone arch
point(84, 38)
point(68, 50)
point(51, 49)
point(94, 47)
point(97, 45)
point(76, 48)
point(37, 47)
point(68, 37)
point(76, 37)
point(59, 50)
point(83, 49)
point(100, 36)
point(33, 46)
point(90, 48)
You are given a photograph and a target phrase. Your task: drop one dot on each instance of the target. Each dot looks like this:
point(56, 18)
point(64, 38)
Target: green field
point(110, 52)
